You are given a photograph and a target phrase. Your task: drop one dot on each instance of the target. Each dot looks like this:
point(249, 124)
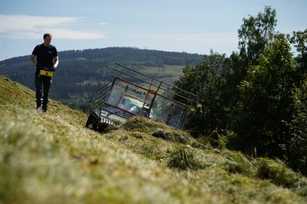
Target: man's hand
point(34, 59)
point(55, 62)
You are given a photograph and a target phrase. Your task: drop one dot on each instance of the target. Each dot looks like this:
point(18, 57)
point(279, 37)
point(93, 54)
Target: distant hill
point(81, 71)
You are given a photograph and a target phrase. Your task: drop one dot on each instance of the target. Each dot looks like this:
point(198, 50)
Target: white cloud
point(25, 26)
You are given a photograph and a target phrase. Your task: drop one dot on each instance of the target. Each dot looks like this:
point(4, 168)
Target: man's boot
point(39, 105)
point(44, 107)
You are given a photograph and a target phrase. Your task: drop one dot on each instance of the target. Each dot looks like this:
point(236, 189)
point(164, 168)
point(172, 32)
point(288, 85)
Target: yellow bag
point(46, 73)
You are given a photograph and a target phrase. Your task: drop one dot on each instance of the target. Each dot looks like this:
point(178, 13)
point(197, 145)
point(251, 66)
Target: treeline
point(127, 55)
point(130, 55)
point(255, 100)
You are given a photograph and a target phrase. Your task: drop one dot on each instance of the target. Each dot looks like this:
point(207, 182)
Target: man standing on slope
point(45, 58)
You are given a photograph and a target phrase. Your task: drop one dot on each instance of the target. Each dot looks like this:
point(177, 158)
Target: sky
point(195, 26)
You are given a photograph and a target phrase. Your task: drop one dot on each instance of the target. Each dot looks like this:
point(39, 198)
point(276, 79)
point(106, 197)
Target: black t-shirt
point(45, 55)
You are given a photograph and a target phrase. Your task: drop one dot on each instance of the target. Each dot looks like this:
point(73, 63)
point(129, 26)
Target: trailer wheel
point(101, 127)
point(92, 121)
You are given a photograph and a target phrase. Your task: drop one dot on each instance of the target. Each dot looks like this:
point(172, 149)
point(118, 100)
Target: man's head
point(47, 39)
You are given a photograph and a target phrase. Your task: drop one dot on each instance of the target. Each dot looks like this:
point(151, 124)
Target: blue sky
point(179, 25)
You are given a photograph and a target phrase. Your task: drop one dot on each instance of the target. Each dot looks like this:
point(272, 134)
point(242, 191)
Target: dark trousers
point(42, 85)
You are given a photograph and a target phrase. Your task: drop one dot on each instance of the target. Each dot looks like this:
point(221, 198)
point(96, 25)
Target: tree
point(255, 33)
point(258, 94)
point(299, 40)
point(265, 98)
point(206, 81)
point(297, 144)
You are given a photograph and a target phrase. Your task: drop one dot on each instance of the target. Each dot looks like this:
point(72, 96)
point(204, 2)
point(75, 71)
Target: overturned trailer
point(129, 93)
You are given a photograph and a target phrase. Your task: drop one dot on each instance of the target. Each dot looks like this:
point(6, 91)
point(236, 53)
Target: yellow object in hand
point(46, 73)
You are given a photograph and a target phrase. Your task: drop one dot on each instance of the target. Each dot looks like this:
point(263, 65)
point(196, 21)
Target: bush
point(184, 158)
point(277, 172)
point(237, 163)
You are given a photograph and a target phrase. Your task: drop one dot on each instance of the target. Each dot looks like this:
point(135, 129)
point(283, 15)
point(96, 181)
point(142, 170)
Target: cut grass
point(52, 158)
point(184, 158)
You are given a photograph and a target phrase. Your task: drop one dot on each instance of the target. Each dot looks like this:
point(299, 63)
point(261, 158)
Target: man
point(46, 60)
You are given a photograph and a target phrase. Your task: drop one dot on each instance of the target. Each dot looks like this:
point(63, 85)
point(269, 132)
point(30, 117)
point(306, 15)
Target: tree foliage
point(265, 99)
point(256, 32)
point(296, 146)
point(206, 80)
point(255, 98)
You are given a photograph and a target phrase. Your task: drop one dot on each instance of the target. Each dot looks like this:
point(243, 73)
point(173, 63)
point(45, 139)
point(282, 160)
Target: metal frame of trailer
point(131, 93)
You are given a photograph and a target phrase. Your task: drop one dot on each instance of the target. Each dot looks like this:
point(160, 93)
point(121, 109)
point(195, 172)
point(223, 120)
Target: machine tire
point(92, 121)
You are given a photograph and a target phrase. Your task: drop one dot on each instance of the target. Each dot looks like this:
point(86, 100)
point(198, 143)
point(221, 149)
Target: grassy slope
point(52, 158)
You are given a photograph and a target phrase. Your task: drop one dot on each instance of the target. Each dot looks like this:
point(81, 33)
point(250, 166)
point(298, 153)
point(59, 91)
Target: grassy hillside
point(52, 158)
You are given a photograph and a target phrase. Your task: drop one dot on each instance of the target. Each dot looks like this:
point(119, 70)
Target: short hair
point(47, 35)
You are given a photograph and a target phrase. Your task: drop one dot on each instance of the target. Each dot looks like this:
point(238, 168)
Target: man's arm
point(34, 59)
point(34, 55)
point(55, 59)
point(55, 62)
